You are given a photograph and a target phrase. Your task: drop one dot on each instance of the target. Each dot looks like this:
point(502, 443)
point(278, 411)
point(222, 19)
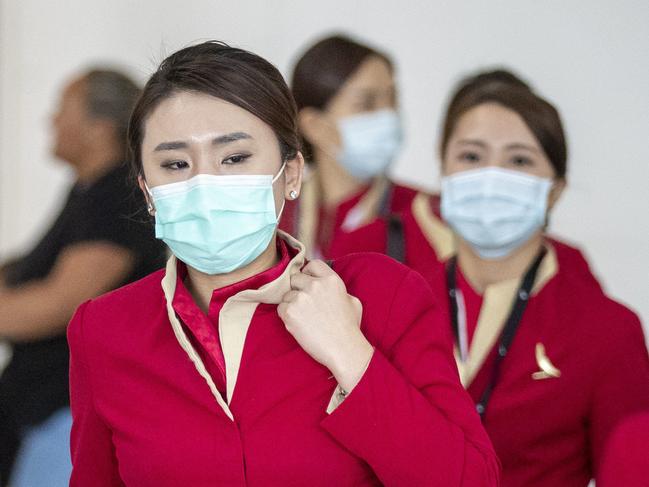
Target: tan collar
point(496, 305)
point(439, 235)
point(363, 213)
point(234, 319)
point(497, 298)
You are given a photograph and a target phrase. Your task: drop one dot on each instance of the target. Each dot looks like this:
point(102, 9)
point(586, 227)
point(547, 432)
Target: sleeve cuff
point(339, 394)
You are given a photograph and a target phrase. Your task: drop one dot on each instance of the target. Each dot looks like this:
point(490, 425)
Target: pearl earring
point(150, 209)
point(292, 194)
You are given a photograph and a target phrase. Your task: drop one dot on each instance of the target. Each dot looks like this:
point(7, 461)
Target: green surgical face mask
point(217, 224)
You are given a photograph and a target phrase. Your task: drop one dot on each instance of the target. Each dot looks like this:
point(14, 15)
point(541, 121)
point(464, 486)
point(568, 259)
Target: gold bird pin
point(548, 370)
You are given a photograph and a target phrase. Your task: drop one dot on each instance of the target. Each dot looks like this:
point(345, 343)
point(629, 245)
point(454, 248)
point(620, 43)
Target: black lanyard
point(395, 245)
point(511, 325)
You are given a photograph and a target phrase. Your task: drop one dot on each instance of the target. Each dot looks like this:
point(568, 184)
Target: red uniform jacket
point(149, 411)
point(625, 462)
point(357, 224)
point(547, 430)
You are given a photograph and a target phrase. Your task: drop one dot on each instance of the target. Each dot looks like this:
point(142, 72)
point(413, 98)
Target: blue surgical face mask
point(495, 210)
point(217, 224)
point(370, 143)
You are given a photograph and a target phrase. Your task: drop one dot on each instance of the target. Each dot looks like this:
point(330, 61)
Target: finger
point(281, 310)
point(299, 281)
point(317, 268)
point(358, 307)
point(290, 296)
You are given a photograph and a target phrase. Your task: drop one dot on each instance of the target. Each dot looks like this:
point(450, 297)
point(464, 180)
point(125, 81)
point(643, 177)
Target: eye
point(469, 156)
point(367, 103)
point(174, 165)
point(235, 159)
point(522, 161)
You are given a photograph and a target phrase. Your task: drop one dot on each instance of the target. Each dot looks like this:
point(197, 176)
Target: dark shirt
point(35, 383)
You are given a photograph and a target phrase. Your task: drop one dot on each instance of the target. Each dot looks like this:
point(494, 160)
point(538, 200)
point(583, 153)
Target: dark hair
point(231, 74)
point(507, 89)
point(111, 95)
point(324, 68)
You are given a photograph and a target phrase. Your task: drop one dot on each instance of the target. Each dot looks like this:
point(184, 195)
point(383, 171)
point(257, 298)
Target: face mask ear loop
point(150, 205)
point(281, 170)
point(546, 223)
point(281, 210)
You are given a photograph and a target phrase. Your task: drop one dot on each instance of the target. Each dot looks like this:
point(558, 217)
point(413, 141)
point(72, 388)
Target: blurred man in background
point(99, 241)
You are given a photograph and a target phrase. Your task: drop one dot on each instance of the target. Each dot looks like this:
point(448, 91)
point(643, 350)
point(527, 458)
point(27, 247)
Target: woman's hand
point(325, 321)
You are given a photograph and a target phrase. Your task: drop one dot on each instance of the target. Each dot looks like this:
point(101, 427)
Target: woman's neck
point(201, 285)
point(336, 184)
point(482, 273)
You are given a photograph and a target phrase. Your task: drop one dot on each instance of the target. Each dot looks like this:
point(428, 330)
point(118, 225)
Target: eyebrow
point(170, 146)
point(530, 148)
point(229, 138)
point(364, 91)
point(222, 139)
point(472, 142)
point(514, 146)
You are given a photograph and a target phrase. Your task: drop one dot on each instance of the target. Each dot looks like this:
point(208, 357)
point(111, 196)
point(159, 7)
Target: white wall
point(589, 57)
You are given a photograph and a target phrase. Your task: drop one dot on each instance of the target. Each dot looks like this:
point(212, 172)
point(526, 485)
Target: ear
point(555, 193)
point(293, 176)
point(147, 196)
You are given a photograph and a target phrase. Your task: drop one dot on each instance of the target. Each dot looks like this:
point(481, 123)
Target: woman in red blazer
point(552, 363)
point(242, 363)
point(346, 97)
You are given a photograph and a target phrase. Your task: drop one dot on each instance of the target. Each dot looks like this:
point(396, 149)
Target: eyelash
point(178, 165)
point(521, 161)
point(470, 157)
point(242, 158)
point(473, 157)
point(173, 165)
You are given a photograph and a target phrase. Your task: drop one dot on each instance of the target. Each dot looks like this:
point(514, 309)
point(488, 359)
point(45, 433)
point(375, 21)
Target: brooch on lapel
point(547, 368)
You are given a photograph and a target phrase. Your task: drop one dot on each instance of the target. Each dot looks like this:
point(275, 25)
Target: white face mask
point(370, 143)
point(495, 210)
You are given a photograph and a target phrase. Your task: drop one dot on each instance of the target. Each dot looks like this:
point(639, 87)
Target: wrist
point(351, 361)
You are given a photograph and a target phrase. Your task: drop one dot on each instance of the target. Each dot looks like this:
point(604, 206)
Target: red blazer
point(334, 232)
point(547, 431)
point(625, 462)
point(143, 416)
